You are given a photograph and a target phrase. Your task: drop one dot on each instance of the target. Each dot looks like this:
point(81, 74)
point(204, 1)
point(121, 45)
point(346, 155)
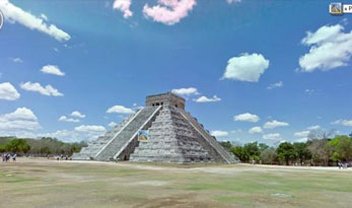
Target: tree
point(341, 147)
point(321, 134)
point(18, 146)
point(252, 150)
point(302, 152)
point(227, 145)
point(268, 156)
point(321, 152)
point(240, 153)
point(286, 152)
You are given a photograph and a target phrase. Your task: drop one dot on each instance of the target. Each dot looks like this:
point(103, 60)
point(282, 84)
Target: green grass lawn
point(45, 183)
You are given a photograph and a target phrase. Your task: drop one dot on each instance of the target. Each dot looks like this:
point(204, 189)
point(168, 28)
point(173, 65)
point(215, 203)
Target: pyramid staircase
point(128, 133)
point(90, 152)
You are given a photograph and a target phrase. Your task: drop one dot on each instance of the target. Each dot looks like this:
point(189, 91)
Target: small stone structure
point(173, 136)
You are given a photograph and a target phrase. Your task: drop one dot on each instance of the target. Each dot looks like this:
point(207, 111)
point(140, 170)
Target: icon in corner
point(335, 8)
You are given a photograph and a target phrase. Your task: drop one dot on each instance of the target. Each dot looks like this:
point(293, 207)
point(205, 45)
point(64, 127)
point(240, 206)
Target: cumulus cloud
point(120, 110)
point(255, 130)
point(186, 91)
point(219, 133)
point(79, 133)
point(48, 90)
point(13, 14)
point(233, 1)
point(17, 60)
point(309, 91)
point(302, 134)
point(204, 99)
point(275, 85)
point(112, 124)
point(246, 67)
point(67, 119)
point(8, 91)
point(272, 137)
point(315, 127)
point(247, 117)
point(330, 48)
point(19, 121)
point(274, 124)
point(77, 114)
point(343, 122)
point(169, 12)
point(90, 128)
point(124, 7)
point(52, 69)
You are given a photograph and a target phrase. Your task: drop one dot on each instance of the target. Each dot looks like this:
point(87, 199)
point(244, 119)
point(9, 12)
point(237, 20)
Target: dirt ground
point(49, 183)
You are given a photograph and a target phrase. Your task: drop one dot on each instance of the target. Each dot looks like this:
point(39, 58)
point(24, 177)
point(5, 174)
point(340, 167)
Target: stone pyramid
point(174, 136)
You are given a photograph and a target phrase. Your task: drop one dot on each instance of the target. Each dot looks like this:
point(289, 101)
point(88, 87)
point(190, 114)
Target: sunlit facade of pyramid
point(162, 131)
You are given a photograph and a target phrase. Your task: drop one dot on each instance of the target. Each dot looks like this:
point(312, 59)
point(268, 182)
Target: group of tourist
point(7, 157)
point(61, 157)
point(342, 165)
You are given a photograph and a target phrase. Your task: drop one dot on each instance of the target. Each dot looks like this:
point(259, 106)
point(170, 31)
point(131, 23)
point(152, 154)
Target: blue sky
point(282, 67)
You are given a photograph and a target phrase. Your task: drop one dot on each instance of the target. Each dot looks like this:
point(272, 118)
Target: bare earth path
point(48, 183)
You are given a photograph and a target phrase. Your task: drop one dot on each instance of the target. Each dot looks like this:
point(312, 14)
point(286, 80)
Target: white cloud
point(14, 14)
point(247, 117)
point(8, 92)
point(77, 114)
point(90, 128)
point(17, 60)
point(186, 91)
point(272, 137)
point(219, 133)
point(255, 130)
point(52, 69)
point(233, 1)
point(44, 17)
point(120, 109)
point(343, 122)
point(302, 134)
point(22, 119)
point(169, 12)
point(275, 85)
point(83, 132)
point(67, 119)
point(330, 48)
point(304, 139)
point(48, 90)
point(309, 91)
point(124, 7)
point(246, 67)
point(315, 127)
point(204, 99)
point(112, 124)
point(274, 123)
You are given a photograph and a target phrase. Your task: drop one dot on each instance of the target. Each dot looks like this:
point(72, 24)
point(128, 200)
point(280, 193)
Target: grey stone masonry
point(209, 140)
point(165, 99)
point(128, 132)
point(89, 152)
point(171, 140)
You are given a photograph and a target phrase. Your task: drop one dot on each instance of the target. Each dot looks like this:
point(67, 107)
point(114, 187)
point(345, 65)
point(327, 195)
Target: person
point(8, 156)
point(14, 157)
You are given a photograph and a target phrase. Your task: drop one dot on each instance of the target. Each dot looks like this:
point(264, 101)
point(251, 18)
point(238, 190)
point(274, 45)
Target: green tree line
point(38, 147)
point(315, 152)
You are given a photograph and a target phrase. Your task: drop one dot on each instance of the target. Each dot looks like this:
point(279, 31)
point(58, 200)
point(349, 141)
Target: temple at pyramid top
point(162, 131)
point(169, 99)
